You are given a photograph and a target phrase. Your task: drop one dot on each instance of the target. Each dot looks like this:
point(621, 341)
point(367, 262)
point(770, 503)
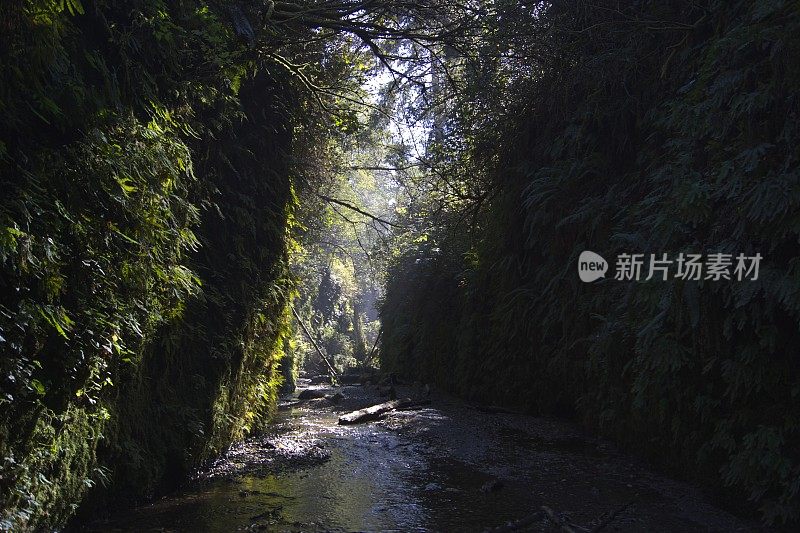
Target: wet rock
point(319, 380)
point(264, 455)
point(320, 402)
point(335, 398)
point(311, 394)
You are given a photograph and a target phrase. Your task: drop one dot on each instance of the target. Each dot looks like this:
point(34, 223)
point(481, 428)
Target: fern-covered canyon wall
point(661, 127)
point(146, 211)
point(175, 173)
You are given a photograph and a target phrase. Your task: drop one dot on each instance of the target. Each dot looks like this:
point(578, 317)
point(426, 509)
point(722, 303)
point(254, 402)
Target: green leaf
point(38, 387)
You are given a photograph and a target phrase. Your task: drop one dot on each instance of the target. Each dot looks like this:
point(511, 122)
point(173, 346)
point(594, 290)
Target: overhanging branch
point(358, 210)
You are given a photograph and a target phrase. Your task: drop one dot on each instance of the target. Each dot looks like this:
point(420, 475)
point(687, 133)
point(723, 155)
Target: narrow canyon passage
point(445, 466)
point(226, 226)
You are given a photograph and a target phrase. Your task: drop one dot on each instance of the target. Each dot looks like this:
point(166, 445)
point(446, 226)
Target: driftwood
point(375, 412)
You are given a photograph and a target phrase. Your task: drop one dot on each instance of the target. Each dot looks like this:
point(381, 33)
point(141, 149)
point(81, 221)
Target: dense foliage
point(145, 217)
point(345, 238)
point(159, 160)
point(659, 127)
point(153, 158)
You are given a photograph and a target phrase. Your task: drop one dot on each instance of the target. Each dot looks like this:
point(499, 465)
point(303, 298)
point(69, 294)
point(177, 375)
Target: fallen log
point(375, 412)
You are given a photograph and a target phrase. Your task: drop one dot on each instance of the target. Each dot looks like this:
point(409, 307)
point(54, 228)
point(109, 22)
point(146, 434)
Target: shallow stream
point(446, 467)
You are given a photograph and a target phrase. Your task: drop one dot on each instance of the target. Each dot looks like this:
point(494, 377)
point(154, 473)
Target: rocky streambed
point(445, 466)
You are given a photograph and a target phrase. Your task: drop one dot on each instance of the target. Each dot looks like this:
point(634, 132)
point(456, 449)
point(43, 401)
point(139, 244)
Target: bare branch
point(358, 210)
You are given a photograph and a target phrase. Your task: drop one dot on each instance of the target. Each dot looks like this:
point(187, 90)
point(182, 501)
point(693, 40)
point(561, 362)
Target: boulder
point(335, 398)
point(311, 394)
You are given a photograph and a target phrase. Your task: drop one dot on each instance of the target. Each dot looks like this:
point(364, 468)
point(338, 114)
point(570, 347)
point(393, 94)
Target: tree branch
point(358, 210)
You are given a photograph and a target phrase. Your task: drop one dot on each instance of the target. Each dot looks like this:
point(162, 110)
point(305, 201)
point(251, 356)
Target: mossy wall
point(211, 376)
point(675, 136)
point(144, 164)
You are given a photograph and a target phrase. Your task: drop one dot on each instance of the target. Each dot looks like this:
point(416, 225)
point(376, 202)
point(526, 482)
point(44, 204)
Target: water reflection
point(366, 484)
point(443, 468)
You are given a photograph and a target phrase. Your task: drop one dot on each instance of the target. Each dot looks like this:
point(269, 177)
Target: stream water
point(446, 467)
